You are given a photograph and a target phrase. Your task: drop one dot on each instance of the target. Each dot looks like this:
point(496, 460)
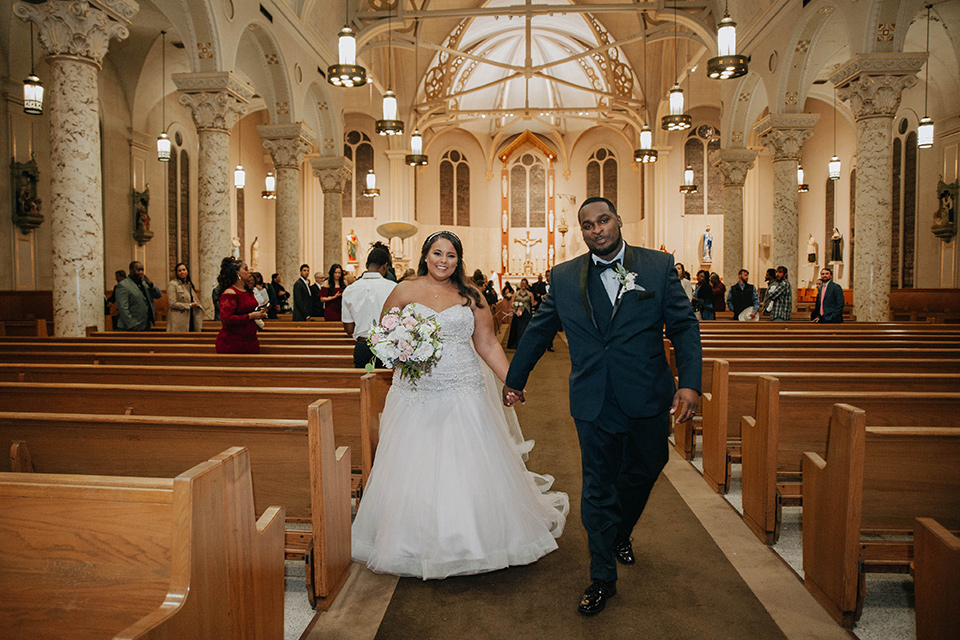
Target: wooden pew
point(30, 328)
point(936, 580)
point(88, 556)
point(294, 463)
point(733, 395)
point(875, 480)
point(789, 423)
point(223, 361)
point(12, 346)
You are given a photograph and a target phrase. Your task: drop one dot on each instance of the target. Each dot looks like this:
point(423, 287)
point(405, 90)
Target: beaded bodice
point(458, 368)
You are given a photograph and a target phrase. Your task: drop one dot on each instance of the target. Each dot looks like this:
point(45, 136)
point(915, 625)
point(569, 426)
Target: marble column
point(733, 165)
point(287, 144)
point(873, 84)
point(217, 101)
point(334, 174)
point(784, 134)
point(75, 36)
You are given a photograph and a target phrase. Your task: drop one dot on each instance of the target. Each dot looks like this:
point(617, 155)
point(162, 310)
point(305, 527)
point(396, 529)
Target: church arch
point(260, 59)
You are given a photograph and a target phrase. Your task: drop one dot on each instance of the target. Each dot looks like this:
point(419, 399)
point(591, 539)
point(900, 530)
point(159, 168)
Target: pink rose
point(388, 322)
point(410, 322)
point(374, 339)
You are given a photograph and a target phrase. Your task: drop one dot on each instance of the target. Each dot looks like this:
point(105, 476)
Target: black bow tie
point(603, 266)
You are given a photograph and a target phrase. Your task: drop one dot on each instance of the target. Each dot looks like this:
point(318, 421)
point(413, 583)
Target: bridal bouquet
point(408, 339)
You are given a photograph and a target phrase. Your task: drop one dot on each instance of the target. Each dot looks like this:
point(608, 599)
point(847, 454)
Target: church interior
point(732, 134)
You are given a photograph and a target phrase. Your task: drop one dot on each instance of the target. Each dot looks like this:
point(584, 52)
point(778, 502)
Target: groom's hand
point(684, 404)
point(510, 396)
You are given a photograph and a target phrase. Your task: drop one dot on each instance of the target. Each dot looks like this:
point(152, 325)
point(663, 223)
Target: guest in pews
point(719, 293)
point(522, 311)
point(315, 294)
point(185, 312)
point(119, 275)
point(743, 296)
point(684, 280)
point(449, 494)
point(238, 309)
point(302, 300)
point(362, 303)
point(260, 293)
point(135, 296)
point(278, 297)
point(779, 299)
point(331, 294)
point(615, 304)
point(702, 300)
point(828, 307)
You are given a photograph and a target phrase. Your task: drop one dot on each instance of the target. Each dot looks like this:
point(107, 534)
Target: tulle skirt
point(449, 493)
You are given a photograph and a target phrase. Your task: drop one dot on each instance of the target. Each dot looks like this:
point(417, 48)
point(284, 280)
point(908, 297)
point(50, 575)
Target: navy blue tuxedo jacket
point(630, 348)
point(832, 305)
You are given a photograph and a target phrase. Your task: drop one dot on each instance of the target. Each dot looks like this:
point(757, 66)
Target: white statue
point(235, 252)
point(811, 250)
point(706, 252)
point(255, 253)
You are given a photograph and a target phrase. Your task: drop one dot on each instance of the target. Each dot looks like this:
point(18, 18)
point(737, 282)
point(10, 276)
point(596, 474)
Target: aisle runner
point(681, 587)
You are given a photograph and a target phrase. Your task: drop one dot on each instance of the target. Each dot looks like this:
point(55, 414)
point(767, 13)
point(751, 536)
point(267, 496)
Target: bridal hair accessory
point(440, 233)
point(627, 280)
point(406, 339)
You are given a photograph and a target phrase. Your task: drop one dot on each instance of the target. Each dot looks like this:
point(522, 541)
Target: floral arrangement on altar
point(408, 339)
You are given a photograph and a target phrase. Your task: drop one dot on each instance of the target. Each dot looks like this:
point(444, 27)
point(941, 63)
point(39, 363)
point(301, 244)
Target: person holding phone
point(238, 309)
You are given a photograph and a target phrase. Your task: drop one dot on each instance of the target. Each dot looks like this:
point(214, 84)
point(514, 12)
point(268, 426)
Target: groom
point(614, 304)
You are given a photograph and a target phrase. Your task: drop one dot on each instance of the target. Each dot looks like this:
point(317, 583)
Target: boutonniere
point(627, 280)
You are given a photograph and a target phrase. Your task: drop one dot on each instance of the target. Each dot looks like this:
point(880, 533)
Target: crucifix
point(527, 243)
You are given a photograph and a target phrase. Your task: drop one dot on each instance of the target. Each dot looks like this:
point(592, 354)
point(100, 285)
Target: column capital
point(785, 133)
point(873, 83)
point(733, 164)
point(79, 28)
point(217, 99)
point(287, 143)
point(333, 173)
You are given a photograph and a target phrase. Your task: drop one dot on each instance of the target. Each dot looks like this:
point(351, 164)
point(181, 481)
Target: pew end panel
point(936, 554)
point(373, 394)
point(714, 438)
point(759, 446)
point(20, 461)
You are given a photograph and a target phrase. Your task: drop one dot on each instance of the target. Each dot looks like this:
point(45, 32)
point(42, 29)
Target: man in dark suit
point(829, 305)
point(302, 299)
point(135, 296)
point(614, 305)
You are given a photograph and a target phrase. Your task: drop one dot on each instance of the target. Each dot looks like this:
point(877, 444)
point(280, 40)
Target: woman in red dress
point(238, 309)
point(330, 294)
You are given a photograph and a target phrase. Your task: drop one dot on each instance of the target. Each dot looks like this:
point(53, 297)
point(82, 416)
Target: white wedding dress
point(449, 493)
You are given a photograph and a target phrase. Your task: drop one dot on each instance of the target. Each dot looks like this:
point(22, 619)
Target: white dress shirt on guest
point(363, 300)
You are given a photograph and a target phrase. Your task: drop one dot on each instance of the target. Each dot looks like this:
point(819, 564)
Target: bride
point(449, 493)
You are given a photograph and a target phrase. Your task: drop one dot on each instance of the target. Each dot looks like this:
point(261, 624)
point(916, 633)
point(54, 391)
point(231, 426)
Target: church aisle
point(700, 573)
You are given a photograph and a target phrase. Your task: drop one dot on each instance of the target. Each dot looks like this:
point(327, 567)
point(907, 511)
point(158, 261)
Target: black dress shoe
point(595, 597)
point(623, 549)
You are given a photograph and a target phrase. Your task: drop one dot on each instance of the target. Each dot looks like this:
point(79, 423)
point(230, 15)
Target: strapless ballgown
point(449, 493)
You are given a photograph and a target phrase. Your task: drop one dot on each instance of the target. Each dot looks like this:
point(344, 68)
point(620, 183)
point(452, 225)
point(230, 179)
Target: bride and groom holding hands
point(449, 493)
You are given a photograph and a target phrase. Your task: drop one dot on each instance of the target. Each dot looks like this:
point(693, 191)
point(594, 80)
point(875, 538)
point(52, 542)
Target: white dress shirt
point(609, 277)
point(363, 300)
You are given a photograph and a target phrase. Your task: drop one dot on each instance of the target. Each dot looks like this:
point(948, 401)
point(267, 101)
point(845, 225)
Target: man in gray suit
point(135, 296)
point(615, 304)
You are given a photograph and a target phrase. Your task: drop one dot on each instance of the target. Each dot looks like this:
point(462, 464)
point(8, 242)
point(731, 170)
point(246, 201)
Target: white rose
point(423, 352)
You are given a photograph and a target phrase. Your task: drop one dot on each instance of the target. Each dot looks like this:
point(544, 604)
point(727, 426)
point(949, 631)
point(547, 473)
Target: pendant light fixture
point(416, 158)
point(347, 73)
point(32, 87)
point(163, 142)
point(239, 175)
point(925, 127)
point(677, 120)
point(390, 125)
point(646, 153)
point(269, 187)
point(833, 167)
point(689, 186)
point(371, 191)
point(801, 186)
point(728, 64)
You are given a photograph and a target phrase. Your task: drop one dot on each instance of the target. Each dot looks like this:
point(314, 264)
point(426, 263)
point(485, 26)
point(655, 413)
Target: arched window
point(184, 205)
point(851, 247)
point(904, 207)
point(602, 179)
point(528, 192)
point(357, 147)
point(454, 189)
point(701, 142)
point(173, 232)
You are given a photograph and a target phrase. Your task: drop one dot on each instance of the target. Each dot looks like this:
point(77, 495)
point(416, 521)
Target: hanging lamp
point(347, 73)
point(728, 64)
point(689, 186)
point(416, 157)
point(389, 125)
point(163, 142)
point(833, 167)
point(269, 187)
point(677, 120)
point(925, 126)
point(32, 87)
point(371, 191)
point(239, 175)
point(646, 154)
point(802, 187)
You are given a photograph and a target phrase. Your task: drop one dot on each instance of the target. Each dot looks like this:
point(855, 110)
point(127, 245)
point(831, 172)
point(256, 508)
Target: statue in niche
point(706, 251)
point(945, 218)
point(141, 216)
point(235, 252)
point(811, 250)
point(352, 244)
point(255, 253)
point(836, 246)
point(26, 204)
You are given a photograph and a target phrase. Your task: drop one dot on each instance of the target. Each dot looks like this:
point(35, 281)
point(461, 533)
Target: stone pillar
point(873, 84)
point(334, 174)
point(217, 100)
point(784, 134)
point(75, 36)
point(734, 165)
point(287, 144)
